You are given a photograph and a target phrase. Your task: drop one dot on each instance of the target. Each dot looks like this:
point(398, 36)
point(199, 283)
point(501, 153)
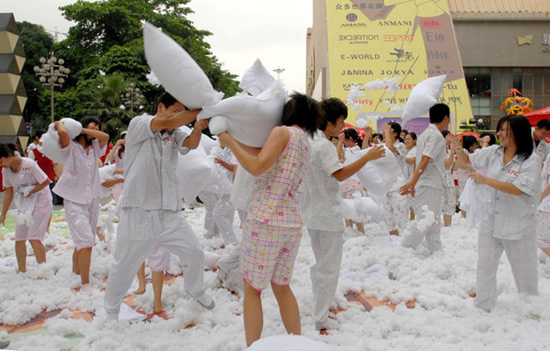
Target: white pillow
point(74, 128)
point(249, 119)
point(178, 73)
point(256, 79)
point(50, 140)
point(106, 172)
point(195, 171)
point(423, 96)
point(378, 176)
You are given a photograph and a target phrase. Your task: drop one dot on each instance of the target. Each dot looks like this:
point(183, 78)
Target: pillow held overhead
point(176, 71)
point(256, 79)
point(423, 96)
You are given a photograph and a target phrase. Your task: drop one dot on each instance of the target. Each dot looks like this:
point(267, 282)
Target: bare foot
point(158, 307)
point(140, 291)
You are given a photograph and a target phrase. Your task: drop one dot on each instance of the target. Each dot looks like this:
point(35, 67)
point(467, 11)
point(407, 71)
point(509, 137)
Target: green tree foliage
point(107, 37)
point(36, 43)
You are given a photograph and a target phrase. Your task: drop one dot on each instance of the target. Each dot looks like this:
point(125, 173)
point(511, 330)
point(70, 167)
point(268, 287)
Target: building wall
point(495, 43)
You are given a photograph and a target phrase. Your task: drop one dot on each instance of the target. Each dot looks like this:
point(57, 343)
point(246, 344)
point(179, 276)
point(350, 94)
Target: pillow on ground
point(249, 119)
point(178, 73)
point(423, 96)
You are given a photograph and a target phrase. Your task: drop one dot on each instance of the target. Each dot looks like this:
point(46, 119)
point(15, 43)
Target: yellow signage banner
point(386, 47)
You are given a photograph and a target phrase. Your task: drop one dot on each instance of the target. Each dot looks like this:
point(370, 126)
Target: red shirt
point(44, 163)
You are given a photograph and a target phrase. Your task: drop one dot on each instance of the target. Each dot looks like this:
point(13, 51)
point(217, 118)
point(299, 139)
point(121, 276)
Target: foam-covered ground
point(441, 284)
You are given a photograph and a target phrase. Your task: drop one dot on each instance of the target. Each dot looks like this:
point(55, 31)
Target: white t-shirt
point(322, 194)
point(29, 174)
point(510, 217)
point(432, 144)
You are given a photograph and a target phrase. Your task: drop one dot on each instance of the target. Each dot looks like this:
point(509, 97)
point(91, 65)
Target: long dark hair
point(351, 133)
point(520, 126)
point(303, 111)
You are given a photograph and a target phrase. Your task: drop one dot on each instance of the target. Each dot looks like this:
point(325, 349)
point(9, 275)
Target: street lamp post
point(52, 73)
point(132, 97)
point(278, 70)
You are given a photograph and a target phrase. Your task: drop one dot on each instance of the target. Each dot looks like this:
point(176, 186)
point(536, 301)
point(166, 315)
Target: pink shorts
point(158, 260)
point(82, 222)
point(41, 216)
point(268, 254)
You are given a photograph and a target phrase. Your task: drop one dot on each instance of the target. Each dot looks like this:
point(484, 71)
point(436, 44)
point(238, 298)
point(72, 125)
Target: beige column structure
point(12, 92)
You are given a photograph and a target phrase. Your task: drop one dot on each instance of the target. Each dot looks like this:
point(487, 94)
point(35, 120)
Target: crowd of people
point(305, 169)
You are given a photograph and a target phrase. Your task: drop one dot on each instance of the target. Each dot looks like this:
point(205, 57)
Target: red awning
point(537, 115)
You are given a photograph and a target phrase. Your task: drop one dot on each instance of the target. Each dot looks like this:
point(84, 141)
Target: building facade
point(502, 44)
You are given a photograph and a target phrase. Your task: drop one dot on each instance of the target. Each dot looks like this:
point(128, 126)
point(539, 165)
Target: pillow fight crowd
point(296, 179)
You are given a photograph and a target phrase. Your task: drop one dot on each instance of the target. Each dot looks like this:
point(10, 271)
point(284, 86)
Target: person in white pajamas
point(322, 196)
point(426, 184)
point(514, 181)
point(151, 204)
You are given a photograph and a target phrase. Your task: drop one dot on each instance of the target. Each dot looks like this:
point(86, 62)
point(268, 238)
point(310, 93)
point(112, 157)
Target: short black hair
point(303, 111)
point(438, 113)
point(445, 133)
point(38, 134)
point(543, 124)
point(334, 108)
point(7, 150)
point(468, 141)
point(520, 126)
point(492, 138)
point(87, 120)
point(413, 135)
point(166, 99)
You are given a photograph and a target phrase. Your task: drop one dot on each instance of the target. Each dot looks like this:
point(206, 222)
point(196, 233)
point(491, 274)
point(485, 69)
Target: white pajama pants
point(209, 199)
point(327, 247)
point(522, 255)
point(138, 234)
point(427, 224)
point(223, 214)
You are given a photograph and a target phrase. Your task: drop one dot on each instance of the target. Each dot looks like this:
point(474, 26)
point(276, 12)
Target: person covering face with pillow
point(151, 202)
point(513, 177)
point(79, 187)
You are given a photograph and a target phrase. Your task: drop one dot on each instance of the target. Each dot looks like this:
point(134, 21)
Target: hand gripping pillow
point(195, 171)
point(178, 73)
point(423, 96)
point(106, 172)
point(256, 79)
point(249, 119)
point(50, 140)
point(378, 176)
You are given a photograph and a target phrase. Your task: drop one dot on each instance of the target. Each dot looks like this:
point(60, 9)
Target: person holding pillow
point(24, 180)
point(151, 202)
point(321, 195)
point(271, 236)
point(79, 187)
point(514, 180)
point(426, 184)
point(396, 205)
